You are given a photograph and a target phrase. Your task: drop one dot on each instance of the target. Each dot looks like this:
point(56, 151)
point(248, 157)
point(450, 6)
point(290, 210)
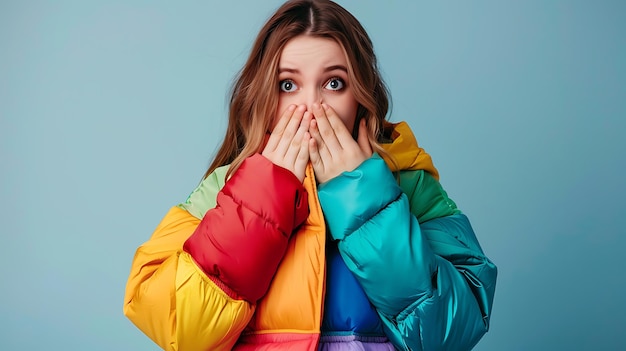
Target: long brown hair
point(254, 95)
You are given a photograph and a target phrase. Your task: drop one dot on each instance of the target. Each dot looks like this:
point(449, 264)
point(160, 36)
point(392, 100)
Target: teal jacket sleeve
point(430, 283)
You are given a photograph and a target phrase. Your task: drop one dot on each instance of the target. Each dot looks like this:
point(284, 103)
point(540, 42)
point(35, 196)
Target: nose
point(312, 96)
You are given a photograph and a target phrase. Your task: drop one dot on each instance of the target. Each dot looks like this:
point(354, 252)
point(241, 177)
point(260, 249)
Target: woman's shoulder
point(204, 196)
point(400, 143)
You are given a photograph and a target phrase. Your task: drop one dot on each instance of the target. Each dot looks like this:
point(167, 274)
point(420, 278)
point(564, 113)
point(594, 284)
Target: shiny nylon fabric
point(167, 294)
point(293, 303)
point(428, 295)
point(263, 218)
point(346, 307)
point(277, 342)
point(288, 317)
point(297, 287)
point(355, 343)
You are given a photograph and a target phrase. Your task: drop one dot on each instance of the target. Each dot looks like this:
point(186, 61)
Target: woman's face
point(314, 70)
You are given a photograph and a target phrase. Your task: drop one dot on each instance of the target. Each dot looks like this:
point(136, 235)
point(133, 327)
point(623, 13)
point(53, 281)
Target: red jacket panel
point(243, 239)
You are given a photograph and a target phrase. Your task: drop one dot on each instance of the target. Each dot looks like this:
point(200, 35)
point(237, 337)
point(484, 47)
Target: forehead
point(307, 51)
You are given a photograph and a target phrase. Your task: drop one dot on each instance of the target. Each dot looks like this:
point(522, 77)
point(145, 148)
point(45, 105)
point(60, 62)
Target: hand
point(332, 149)
point(288, 145)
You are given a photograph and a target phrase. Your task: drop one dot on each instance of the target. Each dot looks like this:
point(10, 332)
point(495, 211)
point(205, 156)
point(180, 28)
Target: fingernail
point(316, 106)
point(302, 108)
point(325, 106)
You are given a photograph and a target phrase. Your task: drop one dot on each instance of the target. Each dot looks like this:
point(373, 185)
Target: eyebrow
point(327, 69)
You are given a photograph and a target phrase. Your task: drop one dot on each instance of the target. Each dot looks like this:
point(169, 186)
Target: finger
point(341, 131)
point(320, 146)
point(303, 155)
point(363, 140)
point(290, 130)
point(314, 155)
point(326, 131)
point(295, 143)
point(278, 130)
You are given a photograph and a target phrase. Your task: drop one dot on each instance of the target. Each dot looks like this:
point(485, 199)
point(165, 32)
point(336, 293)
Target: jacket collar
point(407, 154)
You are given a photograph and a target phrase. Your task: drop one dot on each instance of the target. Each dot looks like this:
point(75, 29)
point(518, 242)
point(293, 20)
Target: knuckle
point(302, 157)
point(287, 134)
point(327, 133)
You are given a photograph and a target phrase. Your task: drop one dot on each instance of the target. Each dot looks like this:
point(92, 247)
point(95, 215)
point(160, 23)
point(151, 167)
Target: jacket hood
point(401, 144)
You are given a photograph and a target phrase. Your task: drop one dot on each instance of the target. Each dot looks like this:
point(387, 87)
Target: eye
point(335, 84)
point(287, 86)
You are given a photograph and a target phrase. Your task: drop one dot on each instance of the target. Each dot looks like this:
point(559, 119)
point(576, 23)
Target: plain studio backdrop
point(111, 110)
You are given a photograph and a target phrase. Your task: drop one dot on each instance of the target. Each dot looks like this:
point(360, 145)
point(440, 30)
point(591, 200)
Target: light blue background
point(111, 110)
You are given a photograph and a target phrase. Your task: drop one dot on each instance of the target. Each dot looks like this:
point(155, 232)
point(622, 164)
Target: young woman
point(319, 225)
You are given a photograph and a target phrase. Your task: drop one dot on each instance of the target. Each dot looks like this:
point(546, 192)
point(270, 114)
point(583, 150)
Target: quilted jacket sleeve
point(194, 284)
point(431, 283)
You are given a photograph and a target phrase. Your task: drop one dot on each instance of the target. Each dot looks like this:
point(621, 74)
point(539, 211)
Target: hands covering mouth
point(319, 136)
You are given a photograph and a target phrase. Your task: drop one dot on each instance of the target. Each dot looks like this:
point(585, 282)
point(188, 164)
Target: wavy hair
point(254, 94)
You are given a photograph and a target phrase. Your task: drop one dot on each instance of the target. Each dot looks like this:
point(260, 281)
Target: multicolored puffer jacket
point(367, 261)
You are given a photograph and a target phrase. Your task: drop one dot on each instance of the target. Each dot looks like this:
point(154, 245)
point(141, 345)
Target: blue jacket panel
point(431, 284)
